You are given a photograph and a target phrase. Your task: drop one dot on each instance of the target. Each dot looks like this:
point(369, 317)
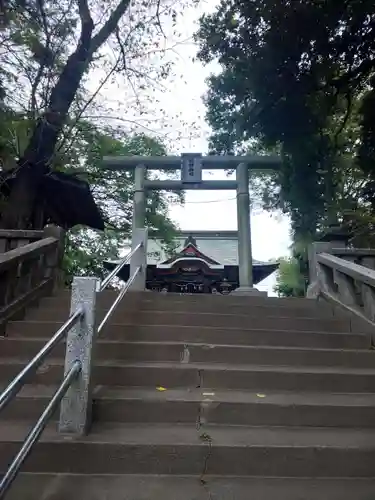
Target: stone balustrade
point(29, 268)
point(348, 284)
point(345, 277)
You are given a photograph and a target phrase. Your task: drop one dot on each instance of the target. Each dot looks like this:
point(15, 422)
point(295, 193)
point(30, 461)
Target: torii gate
point(191, 166)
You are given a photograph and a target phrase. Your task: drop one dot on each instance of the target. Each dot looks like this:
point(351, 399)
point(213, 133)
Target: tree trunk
point(36, 160)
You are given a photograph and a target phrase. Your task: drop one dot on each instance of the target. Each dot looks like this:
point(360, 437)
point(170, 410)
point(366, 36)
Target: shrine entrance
point(191, 165)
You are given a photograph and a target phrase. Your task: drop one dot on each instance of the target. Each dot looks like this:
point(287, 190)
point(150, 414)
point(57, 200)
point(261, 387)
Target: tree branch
point(158, 19)
point(110, 26)
point(84, 12)
point(345, 119)
point(86, 105)
point(34, 88)
point(364, 69)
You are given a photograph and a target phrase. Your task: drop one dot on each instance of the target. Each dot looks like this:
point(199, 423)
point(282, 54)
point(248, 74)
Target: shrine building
point(200, 262)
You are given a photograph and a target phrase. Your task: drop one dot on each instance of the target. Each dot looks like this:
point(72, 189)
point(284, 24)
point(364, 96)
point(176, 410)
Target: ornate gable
point(190, 251)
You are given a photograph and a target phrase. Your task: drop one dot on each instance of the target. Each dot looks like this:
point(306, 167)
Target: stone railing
point(15, 238)
point(347, 284)
point(362, 256)
point(29, 268)
point(345, 277)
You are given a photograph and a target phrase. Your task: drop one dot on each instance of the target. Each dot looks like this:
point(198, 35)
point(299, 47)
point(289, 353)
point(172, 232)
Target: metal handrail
point(19, 380)
point(118, 268)
point(17, 383)
point(15, 386)
point(37, 430)
point(124, 289)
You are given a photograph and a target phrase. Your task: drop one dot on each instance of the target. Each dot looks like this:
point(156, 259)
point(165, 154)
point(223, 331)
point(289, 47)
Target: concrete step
point(26, 348)
point(210, 376)
point(208, 335)
point(217, 319)
point(107, 297)
point(136, 405)
point(186, 450)
point(53, 308)
point(189, 406)
point(126, 314)
point(157, 487)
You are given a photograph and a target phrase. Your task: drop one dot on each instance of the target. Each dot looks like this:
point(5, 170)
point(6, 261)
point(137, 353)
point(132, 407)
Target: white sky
point(182, 123)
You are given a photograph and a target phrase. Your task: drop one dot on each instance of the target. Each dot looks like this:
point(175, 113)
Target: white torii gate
point(191, 166)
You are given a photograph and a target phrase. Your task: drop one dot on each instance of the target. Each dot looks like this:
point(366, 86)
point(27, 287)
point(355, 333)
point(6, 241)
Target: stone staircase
point(201, 398)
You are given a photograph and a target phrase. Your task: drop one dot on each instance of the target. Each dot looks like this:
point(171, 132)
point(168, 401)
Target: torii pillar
point(245, 256)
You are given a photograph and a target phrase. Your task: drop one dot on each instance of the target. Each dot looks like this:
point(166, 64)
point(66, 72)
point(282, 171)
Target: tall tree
point(37, 37)
point(293, 77)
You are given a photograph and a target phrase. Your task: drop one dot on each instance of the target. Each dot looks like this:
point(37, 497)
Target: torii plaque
point(191, 168)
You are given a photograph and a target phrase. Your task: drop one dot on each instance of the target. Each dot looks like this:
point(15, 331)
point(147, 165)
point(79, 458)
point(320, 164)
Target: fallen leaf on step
point(261, 395)
point(161, 389)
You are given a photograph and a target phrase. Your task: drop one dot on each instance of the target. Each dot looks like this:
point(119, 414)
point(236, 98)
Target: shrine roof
point(190, 251)
point(219, 246)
